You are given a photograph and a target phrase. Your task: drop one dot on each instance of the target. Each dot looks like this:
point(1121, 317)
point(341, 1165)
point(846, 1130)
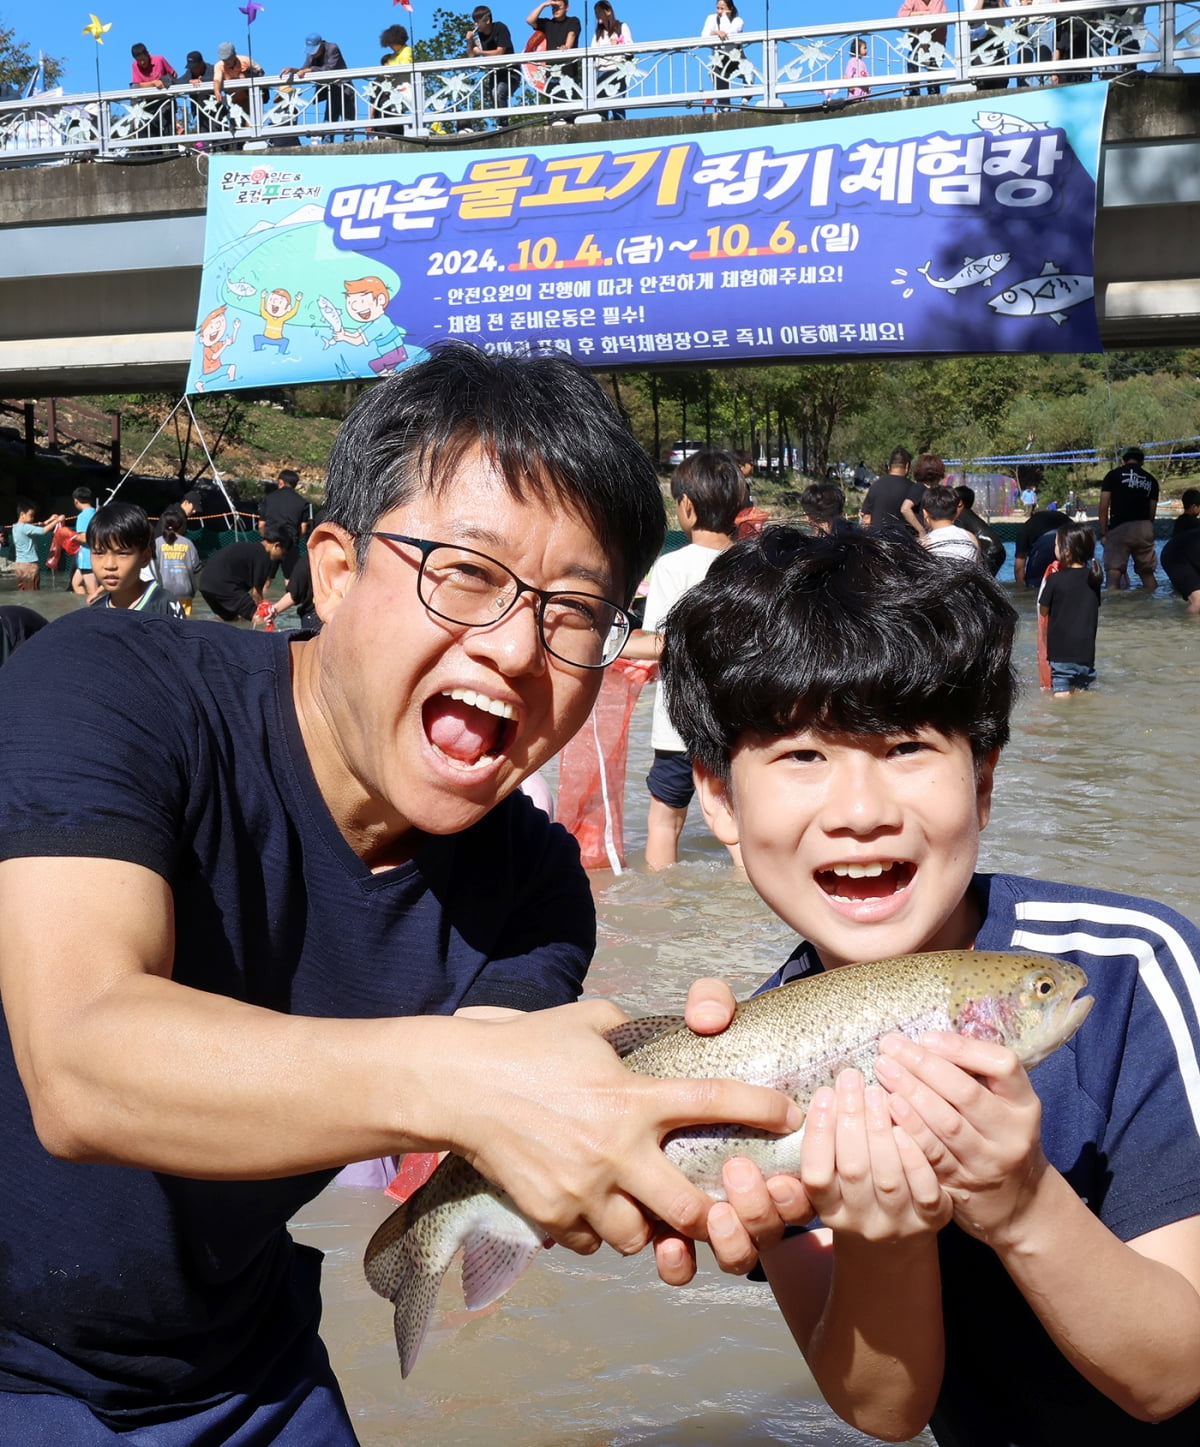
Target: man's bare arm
point(123, 1065)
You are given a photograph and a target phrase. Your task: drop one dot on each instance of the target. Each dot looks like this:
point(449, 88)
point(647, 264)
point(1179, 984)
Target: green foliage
point(446, 42)
point(17, 64)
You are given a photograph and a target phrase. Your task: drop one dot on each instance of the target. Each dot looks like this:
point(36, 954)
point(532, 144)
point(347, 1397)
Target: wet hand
point(752, 1218)
point(969, 1106)
point(575, 1137)
point(710, 1006)
point(864, 1176)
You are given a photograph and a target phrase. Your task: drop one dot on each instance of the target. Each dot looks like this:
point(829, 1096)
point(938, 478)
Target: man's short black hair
point(966, 495)
point(852, 633)
point(1134, 455)
point(713, 483)
point(940, 503)
point(1190, 498)
point(545, 424)
point(290, 477)
point(119, 525)
point(821, 502)
point(481, 12)
point(83, 494)
point(901, 457)
point(282, 533)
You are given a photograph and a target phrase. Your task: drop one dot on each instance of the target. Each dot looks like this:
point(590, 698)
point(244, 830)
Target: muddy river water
point(590, 1351)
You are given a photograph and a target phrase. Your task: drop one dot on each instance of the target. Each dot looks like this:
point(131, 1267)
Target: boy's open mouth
point(468, 727)
point(870, 879)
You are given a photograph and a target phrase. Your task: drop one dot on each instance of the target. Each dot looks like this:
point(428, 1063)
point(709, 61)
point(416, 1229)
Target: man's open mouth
point(469, 727)
point(870, 879)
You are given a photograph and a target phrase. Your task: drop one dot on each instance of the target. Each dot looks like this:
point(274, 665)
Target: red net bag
point(591, 770)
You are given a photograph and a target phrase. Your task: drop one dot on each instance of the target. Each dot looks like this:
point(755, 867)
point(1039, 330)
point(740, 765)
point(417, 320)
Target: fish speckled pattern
point(795, 1038)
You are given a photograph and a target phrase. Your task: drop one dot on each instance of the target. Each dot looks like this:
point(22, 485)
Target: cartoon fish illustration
point(1048, 294)
point(332, 316)
point(973, 271)
point(239, 288)
point(997, 123)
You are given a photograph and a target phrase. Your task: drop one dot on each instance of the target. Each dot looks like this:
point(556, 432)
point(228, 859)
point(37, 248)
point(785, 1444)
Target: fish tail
point(924, 270)
point(408, 1256)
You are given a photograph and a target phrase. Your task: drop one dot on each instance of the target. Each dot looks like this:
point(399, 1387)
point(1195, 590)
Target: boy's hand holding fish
point(971, 1108)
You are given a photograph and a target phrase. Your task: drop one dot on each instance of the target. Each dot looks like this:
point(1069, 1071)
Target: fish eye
point(1043, 985)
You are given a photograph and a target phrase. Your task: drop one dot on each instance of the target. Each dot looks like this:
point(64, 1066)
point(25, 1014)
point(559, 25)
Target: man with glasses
point(314, 920)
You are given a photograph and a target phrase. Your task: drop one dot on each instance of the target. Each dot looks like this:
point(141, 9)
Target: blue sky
point(177, 26)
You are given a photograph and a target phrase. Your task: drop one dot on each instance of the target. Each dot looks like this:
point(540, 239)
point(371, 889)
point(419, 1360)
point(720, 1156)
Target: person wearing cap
point(337, 96)
point(153, 72)
point(197, 109)
point(232, 67)
point(197, 70)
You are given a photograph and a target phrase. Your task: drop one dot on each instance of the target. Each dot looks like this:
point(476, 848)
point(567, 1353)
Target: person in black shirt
point(312, 920)
point(1181, 553)
point(491, 37)
point(1128, 503)
point(235, 577)
point(562, 33)
point(894, 498)
point(283, 504)
point(1034, 556)
point(1069, 599)
point(991, 549)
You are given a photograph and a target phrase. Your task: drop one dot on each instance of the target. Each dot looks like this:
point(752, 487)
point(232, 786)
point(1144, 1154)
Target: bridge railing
point(987, 50)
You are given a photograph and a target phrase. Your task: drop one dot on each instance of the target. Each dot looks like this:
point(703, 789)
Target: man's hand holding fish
point(584, 1185)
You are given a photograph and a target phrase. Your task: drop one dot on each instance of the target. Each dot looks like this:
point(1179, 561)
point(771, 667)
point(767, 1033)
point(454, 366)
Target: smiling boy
point(1014, 1279)
point(324, 912)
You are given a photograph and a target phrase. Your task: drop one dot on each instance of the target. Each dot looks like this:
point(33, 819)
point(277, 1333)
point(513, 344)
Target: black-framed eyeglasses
point(471, 589)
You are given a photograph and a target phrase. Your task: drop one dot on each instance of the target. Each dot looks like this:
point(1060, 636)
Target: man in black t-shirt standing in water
point(314, 920)
point(894, 498)
point(1128, 503)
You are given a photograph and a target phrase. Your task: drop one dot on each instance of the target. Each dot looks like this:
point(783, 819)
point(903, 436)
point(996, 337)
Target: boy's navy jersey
point(1120, 1120)
point(1073, 599)
point(144, 1293)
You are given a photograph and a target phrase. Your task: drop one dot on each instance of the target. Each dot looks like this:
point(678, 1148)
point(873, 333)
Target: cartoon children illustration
point(213, 342)
point(367, 301)
point(276, 308)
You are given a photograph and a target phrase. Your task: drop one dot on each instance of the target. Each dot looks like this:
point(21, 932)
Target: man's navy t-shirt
point(176, 746)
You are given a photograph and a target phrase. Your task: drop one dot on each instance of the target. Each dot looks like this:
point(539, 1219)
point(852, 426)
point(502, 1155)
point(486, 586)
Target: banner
point(964, 227)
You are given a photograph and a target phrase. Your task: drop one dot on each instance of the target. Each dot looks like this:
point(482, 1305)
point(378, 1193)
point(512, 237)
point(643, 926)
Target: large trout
point(795, 1038)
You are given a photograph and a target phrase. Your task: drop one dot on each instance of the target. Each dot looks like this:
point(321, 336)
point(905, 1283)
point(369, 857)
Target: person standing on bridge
point(338, 96)
point(153, 72)
point(232, 67)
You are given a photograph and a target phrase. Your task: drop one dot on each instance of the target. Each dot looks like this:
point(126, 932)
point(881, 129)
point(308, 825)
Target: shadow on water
point(589, 1351)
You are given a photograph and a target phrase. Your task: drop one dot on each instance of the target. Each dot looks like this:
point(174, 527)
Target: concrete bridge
point(100, 263)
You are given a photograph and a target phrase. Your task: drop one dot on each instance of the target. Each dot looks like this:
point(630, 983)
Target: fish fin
point(626, 1038)
point(952, 291)
point(382, 1257)
point(1049, 269)
point(494, 1259)
point(1058, 318)
point(987, 281)
point(414, 1311)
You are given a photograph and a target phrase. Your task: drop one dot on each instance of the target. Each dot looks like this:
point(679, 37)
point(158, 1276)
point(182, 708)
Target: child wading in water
point(121, 545)
point(1016, 1277)
point(1069, 599)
